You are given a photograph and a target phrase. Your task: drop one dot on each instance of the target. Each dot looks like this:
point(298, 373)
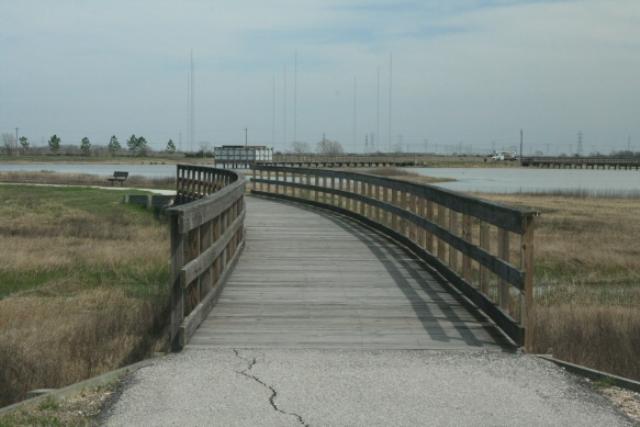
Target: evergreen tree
point(114, 145)
point(85, 146)
point(171, 147)
point(54, 143)
point(24, 142)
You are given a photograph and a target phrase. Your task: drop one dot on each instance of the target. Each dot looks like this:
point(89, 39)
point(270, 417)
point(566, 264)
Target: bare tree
point(300, 147)
point(329, 148)
point(9, 144)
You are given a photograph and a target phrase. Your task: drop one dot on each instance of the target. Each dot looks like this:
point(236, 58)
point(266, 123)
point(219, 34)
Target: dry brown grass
point(603, 337)
point(47, 177)
point(587, 279)
point(82, 286)
point(49, 342)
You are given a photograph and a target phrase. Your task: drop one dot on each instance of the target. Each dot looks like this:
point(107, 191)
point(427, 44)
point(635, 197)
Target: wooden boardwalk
point(312, 279)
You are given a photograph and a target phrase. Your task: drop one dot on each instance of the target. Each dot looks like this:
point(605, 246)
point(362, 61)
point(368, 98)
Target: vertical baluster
point(467, 234)
point(527, 267)
point(333, 187)
point(504, 296)
point(442, 223)
point(453, 229)
point(485, 243)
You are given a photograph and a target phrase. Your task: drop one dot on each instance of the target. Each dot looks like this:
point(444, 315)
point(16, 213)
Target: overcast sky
point(465, 72)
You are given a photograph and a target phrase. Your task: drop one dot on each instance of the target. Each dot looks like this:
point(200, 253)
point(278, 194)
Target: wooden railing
point(483, 249)
point(207, 235)
point(195, 182)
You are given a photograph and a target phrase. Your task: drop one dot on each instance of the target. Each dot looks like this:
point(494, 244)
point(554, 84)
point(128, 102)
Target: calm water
point(499, 180)
point(150, 171)
point(512, 180)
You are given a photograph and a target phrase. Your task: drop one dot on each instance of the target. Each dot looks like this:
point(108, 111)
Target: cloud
point(470, 70)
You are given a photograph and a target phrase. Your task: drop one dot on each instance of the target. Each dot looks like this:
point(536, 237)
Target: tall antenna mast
point(273, 111)
point(390, 97)
point(295, 96)
point(188, 124)
point(378, 105)
point(284, 107)
point(580, 143)
point(355, 112)
point(192, 125)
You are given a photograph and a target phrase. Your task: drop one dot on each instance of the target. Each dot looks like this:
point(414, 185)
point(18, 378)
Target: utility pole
point(629, 143)
point(246, 131)
point(17, 135)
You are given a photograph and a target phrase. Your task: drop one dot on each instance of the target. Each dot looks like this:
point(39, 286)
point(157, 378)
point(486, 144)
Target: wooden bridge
point(329, 259)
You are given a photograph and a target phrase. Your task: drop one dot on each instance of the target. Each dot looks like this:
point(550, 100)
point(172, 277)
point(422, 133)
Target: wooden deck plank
point(309, 279)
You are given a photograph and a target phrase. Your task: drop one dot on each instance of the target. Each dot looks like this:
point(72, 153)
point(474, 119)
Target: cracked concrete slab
point(357, 388)
point(274, 394)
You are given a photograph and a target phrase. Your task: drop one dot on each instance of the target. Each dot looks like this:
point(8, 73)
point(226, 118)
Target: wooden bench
point(118, 176)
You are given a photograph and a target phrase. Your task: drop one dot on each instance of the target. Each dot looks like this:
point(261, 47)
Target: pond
point(149, 171)
point(533, 180)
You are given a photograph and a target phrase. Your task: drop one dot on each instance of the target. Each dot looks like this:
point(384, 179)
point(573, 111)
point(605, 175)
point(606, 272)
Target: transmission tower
point(580, 143)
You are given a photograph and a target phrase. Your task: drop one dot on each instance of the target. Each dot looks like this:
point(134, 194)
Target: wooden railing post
point(430, 217)
point(504, 297)
point(527, 266)
point(441, 222)
point(468, 236)
point(453, 229)
point(177, 290)
point(485, 243)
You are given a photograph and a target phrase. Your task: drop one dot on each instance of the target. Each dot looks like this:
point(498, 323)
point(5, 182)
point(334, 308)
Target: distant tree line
point(135, 146)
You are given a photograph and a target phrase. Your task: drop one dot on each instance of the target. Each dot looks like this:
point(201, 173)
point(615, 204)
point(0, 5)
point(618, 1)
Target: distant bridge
point(581, 162)
point(337, 259)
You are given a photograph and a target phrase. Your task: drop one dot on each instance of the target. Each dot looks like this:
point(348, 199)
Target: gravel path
point(357, 388)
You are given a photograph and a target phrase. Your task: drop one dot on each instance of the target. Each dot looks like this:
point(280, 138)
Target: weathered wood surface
point(311, 279)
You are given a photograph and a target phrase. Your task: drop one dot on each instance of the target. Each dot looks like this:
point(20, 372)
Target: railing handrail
point(207, 234)
point(509, 217)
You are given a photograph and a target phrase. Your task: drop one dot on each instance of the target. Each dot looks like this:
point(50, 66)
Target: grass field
point(587, 279)
point(83, 285)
